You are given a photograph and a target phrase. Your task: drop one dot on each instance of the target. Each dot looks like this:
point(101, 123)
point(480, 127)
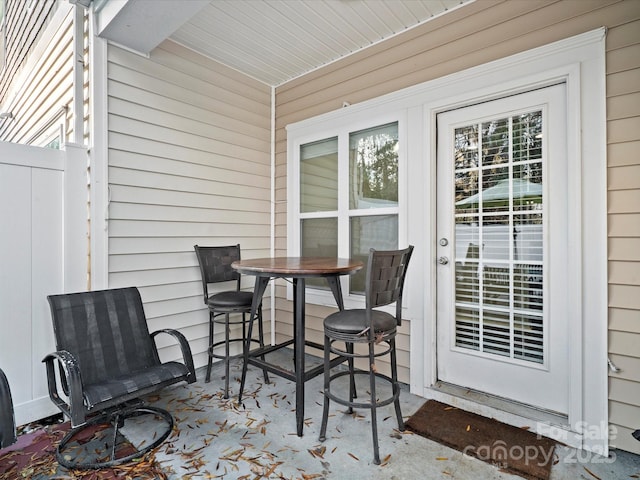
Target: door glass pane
point(527, 137)
point(468, 328)
point(373, 167)
point(374, 231)
point(319, 176)
point(496, 237)
point(499, 228)
point(527, 286)
point(528, 338)
point(495, 189)
point(527, 186)
point(495, 142)
point(495, 332)
point(466, 169)
point(527, 237)
point(319, 238)
point(496, 285)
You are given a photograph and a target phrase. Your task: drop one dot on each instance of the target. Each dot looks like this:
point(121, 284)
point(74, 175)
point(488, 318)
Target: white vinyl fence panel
point(42, 251)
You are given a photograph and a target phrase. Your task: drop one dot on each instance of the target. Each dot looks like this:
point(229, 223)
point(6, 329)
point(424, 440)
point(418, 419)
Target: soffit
point(275, 41)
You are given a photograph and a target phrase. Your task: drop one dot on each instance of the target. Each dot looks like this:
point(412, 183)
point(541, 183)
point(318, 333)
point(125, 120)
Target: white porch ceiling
point(274, 41)
point(277, 40)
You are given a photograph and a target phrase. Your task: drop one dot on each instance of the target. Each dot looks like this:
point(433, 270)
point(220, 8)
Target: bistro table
point(298, 269)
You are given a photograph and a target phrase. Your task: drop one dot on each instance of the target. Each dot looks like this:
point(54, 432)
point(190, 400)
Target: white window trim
point(580, 62)
point(50, 130)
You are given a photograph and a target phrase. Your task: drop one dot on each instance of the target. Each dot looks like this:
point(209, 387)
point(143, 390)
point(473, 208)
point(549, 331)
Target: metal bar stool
point(386, 272)
point(215, 267)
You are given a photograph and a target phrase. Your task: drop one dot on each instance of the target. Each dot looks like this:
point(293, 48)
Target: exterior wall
point(623, 144)
point(189, 163)
point(22, 28)
point(473, 35)
point(36, 83)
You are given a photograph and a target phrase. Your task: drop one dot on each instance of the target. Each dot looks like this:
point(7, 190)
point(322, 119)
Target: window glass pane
point(319, 238)
point(466, 147)
point(495, 332)
point(527, 285)
point(468, 328)
point(319, 176)
point(467, 238)
point(54, 144)
point(467, 282)
point(467, 196)
point(495, 189)
point(375, 231)
point(528, 237)
point(527, 137)
point(496, 237)
point(373, 167)
point(528, 341)
point(495, 282)
point(495, 142)
point(527, 186)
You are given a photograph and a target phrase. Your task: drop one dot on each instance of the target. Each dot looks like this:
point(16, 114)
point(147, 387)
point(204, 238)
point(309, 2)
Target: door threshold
point(542, 422)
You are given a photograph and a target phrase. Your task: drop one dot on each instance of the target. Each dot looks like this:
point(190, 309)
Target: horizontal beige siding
point(36, 84)
point(23, 27)
point(623, 138)
point(475, 34)
point(189, 163)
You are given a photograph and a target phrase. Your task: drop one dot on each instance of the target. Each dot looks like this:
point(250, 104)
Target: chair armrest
point(184, 347)
point(7, 418)
point(75, 410)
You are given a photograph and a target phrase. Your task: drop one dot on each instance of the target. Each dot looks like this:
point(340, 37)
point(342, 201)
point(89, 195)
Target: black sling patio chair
point(7, 418)
point(107, 361)
point(386, 270)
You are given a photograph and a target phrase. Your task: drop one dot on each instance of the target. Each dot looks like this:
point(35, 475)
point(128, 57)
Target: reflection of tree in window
point(374, 165)
point(517, 139)
point(527, 136)
point(495, 151)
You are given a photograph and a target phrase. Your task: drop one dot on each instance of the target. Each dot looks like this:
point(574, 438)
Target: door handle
point(443, 260)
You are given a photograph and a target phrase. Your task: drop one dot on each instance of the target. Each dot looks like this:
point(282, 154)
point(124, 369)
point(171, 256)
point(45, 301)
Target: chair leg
point(207, 378)
point(327, 377)
point(395, 384)
point(374, 416)
point(352, 378)
point(227, 334)
point(245, 360)
point(261, 342)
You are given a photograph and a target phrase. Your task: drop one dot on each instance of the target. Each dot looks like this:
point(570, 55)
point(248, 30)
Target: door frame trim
point(579, 62)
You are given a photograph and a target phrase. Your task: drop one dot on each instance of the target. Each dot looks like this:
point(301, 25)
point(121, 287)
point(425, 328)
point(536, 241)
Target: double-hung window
point(346, 197)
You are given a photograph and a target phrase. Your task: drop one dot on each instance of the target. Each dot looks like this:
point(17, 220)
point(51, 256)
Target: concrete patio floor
point(217, 438)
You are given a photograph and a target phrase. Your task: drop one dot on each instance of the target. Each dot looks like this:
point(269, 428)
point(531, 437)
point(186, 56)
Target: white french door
point(502, 243)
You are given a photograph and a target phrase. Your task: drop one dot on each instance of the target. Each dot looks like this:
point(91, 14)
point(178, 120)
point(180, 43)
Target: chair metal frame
point(7, 417)
point(386, 271)
point(222, 305)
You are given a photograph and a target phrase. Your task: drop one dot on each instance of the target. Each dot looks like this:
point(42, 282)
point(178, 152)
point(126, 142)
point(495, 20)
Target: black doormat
point(513, 449)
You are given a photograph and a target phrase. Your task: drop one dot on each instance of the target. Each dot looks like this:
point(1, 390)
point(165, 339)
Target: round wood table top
point(298, 266)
